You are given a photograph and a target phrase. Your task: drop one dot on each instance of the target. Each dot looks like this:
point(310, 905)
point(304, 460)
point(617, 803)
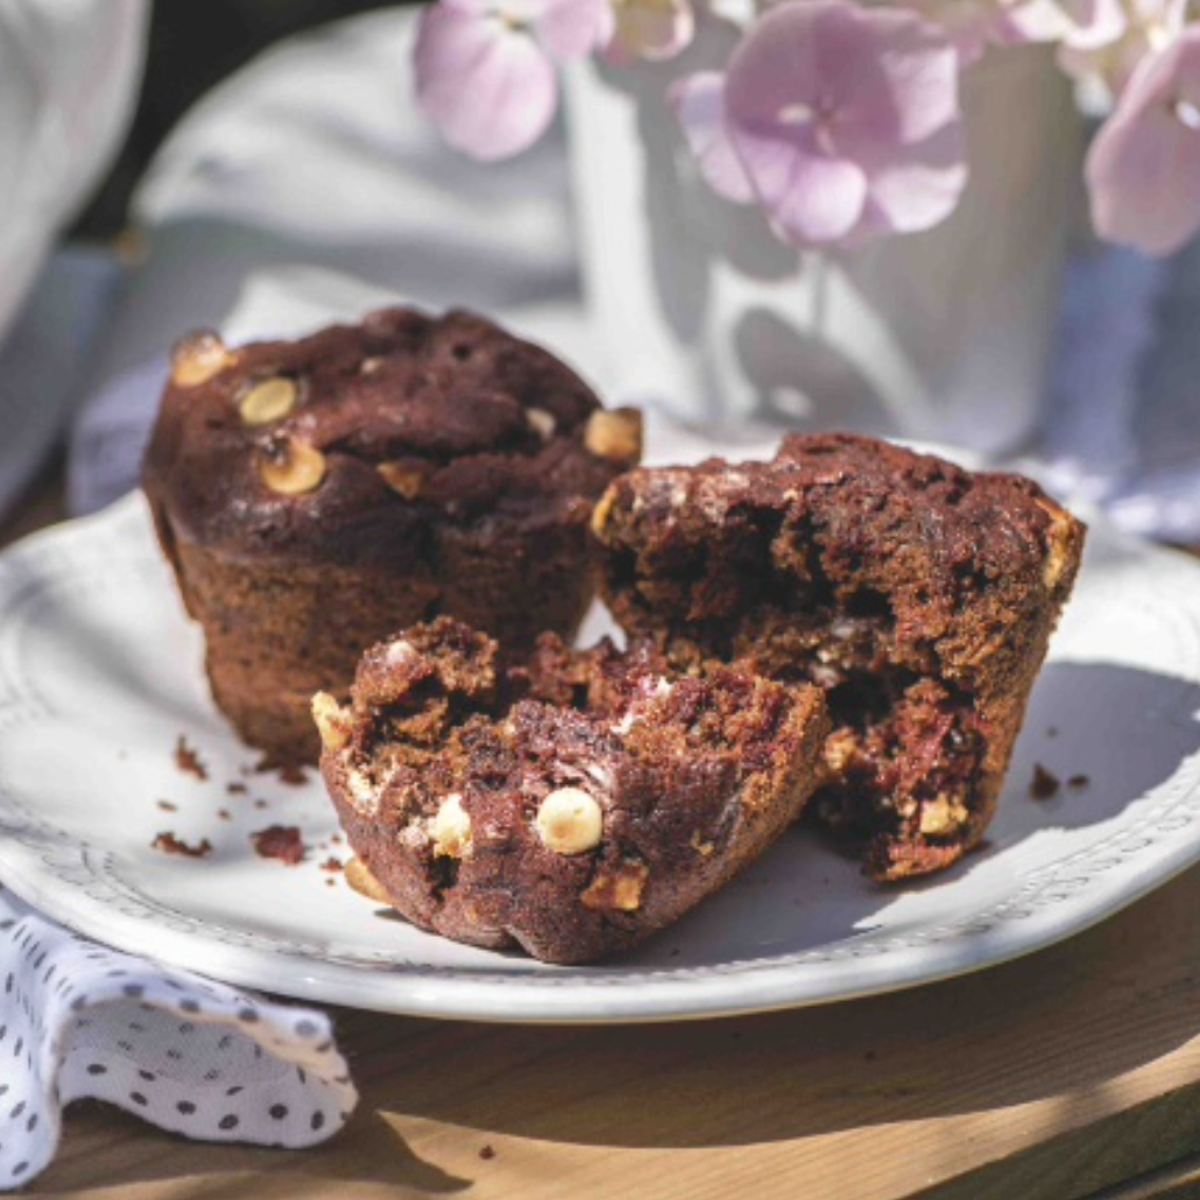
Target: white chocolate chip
point(450, 828)
point(199, 356)
point(270, 400)
point(1058, 544)
point(617, 889)
point(603, 511)
point(399, 652)
point(570, 821)
point(942, 815)
point(332, 722)
point(404, 481)
point(292, 467)
point(615, 434)
point(362, 791)
point(541, 422)
point(359, 877)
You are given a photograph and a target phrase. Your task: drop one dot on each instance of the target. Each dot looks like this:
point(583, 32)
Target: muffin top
point(328, 447)
point(930, 553)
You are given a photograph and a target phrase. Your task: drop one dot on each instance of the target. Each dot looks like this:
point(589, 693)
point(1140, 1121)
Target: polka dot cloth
point(189, 1055)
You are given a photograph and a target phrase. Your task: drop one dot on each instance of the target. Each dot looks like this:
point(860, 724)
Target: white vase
point(941, 335)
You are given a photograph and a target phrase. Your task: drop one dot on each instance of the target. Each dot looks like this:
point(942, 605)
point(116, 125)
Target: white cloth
point(192, 1056)
point(69, 72)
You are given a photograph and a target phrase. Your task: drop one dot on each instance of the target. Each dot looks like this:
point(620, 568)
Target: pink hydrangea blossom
point(486, 69)
point(1106, 67)
point(973, 25)
point(1143, 170)
point(841, 122)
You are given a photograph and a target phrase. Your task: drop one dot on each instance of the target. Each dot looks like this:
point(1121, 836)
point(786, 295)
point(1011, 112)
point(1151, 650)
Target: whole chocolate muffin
point(314, 495)
point(921, 597)
point(571, 807)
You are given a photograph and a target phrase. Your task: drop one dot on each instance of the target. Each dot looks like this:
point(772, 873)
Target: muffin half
point(920, 596)
point(571, 807)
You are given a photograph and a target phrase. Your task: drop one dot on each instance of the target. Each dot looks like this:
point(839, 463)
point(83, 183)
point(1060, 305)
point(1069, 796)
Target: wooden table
point(1072, 1073)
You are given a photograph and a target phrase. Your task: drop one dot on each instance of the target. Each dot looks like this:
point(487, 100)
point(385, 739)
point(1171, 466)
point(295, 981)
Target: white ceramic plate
point(100, 674)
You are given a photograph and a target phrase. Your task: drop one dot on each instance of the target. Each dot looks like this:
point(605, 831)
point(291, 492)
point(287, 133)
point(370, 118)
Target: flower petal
point(1095, 23)
point(571, 29)
point(1143, 170)
point(810, 198)
point(488, 88)
point(699, 103)
point(917, 190)
point(915, 92)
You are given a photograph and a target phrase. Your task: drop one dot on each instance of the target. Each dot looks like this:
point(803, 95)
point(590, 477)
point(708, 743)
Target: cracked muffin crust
point(919, 596)
point(571, 806)
point(314, 495)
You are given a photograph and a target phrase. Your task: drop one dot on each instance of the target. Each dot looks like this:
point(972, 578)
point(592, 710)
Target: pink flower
point(841, 122)
point(1143, 170)
point(1106, 67)
point(974, 24)
point(486, 69)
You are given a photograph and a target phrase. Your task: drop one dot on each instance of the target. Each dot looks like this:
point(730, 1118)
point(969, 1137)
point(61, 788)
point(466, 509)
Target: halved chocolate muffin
point(921, 597)
point(314, 495)
point(572, 806)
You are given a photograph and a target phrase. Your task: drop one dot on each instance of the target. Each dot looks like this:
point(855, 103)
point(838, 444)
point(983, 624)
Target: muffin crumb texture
point(919, 597)
point(572, 805)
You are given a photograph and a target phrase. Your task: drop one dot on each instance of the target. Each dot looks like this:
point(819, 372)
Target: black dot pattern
point(184, 1053)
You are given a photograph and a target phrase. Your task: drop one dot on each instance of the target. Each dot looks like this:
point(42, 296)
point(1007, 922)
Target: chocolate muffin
point(921, 597)
point(314, 495)
point(572, 806)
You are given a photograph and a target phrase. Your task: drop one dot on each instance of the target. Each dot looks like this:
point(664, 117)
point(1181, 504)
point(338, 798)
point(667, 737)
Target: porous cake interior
point(790, 601)
point(699, 744)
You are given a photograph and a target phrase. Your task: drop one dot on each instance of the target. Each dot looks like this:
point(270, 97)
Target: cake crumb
point(168, 843)
point(224, 814)
point(332, 864)
point(188, 760)
point(236, 789)
point(292, 775)
point(167, 806)
point(331, 883)
point(260, 804)
point(1078, 781)
point(487, 1153)
point(1045, 783)
point(279, 841)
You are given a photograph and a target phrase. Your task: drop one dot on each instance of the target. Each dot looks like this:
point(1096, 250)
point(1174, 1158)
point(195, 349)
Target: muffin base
point(275, 633)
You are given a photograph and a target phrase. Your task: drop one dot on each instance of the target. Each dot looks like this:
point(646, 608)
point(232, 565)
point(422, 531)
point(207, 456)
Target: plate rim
point(1021, 923)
